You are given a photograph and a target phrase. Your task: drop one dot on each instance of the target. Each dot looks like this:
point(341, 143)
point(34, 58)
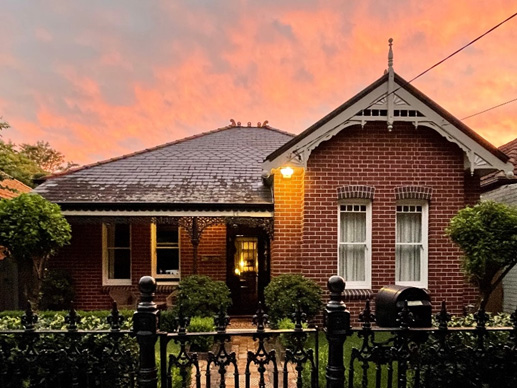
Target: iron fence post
point(337, 327)
point(145, 326)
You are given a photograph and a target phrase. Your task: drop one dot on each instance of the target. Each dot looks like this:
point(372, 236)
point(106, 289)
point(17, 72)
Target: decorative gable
point(391, 99)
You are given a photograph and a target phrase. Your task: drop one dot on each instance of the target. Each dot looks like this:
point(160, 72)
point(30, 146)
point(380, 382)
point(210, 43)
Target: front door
point(247, 268)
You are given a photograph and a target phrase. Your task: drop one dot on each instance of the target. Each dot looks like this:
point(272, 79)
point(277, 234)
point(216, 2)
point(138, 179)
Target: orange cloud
point(102, 80)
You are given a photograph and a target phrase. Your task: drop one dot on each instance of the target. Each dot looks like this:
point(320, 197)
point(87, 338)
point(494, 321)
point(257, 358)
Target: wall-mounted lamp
point(286, 172)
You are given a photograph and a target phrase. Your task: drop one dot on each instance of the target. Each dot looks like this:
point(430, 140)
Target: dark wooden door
point(247, 268)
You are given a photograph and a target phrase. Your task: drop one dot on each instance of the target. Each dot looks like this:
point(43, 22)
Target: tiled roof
point(10, 188)
point(497, 179)
point(510, 149)
point(222, 166)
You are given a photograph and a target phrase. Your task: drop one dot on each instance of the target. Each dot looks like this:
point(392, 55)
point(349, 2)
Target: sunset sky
point(98, 79)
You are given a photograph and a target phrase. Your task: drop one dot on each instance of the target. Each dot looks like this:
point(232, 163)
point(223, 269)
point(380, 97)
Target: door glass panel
point(246, 255)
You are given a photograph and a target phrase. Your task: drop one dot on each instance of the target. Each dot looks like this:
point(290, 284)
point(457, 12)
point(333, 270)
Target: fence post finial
point(145, 326)
point(337, 327)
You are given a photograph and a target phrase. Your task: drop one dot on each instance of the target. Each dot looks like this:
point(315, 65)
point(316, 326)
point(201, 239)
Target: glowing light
point(286, 172)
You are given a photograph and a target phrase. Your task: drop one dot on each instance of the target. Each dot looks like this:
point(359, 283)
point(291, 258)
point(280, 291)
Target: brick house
point(501, 188)
point(368, 192)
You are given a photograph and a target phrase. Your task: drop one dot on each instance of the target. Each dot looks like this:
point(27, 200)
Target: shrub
point(288, 341)
point(167, 322)
point(202, 296)
point(201, 325)
point(57, 290)
point(55, 320)
point(285, 291)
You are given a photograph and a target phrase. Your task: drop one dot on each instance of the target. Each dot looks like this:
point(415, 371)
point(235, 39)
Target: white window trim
point(423, 283)
point(106, 281)
point(164, 278)
point(367, 283)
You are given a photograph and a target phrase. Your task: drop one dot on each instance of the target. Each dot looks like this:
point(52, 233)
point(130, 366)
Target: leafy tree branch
point(487, 235)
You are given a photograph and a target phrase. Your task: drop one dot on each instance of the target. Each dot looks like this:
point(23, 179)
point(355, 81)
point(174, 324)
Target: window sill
point(412, 284)
point(123, 283)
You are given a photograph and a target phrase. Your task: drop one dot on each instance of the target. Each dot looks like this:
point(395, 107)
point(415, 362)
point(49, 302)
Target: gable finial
point(390, 54)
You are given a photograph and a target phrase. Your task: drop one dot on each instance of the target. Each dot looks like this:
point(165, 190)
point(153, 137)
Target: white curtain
point(409, 246)
point(352, 247)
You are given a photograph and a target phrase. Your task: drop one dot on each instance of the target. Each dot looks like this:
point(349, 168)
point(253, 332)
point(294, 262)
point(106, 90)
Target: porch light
point(286, 172)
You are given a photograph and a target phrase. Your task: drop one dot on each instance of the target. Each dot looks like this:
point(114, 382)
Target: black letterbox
point(389, 301)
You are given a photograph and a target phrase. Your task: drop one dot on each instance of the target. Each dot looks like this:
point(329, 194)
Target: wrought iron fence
point(68, 358)
point(262, 365)
point(441, 356)
point(365, 356)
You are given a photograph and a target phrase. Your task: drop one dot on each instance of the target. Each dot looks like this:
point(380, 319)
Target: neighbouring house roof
point(10, 187)
point(510, 149)
point(392, 99)
point(217, 169)
point(497, 179)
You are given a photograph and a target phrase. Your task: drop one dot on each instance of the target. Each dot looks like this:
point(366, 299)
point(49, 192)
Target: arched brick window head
point(413, 192)
point(355, 192)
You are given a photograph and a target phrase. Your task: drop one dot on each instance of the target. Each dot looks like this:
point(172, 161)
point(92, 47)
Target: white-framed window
point(411, 247)
point(355, 243)
point(116, 254)
point(165, 252)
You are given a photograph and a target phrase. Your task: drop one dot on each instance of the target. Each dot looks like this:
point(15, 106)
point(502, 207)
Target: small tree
point(32, 229)
point(487, 235)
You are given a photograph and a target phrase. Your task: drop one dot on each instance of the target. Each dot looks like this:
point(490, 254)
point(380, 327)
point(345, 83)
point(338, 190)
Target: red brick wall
point(285, 248)
point(83, 259)
point(140, 252)
point(385, 160)
point(211, 253)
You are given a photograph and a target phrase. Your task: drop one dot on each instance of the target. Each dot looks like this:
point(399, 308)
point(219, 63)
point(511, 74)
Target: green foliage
point(495, 320)
point(31, 226)
point(201, 325)
point(45, 157)
point(118, 353)
point(31, 230)
point(202, 296)
point(18, 165)
point(55, 320)
point(3, 124)
point(487, 235)
point(288, 340)
point(167, 323)
point(285, 291)
point(57, 290)
point(28, 162)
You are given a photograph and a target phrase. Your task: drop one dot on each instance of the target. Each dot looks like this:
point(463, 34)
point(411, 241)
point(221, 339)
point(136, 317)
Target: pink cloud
point(118, 79)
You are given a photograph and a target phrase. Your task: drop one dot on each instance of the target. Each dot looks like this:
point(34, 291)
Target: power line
point(464, 47)
point(489, 109)
point(420, 75)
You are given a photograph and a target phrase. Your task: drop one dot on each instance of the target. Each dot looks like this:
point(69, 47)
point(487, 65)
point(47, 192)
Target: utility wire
point(464, 47)
point(489, 109)
point(420, 75)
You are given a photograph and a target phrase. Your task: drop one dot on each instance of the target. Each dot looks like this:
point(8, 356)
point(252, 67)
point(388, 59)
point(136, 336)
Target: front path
point(241, 345)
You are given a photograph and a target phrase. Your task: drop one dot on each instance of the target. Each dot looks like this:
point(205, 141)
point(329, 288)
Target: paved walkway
point(241, 345)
